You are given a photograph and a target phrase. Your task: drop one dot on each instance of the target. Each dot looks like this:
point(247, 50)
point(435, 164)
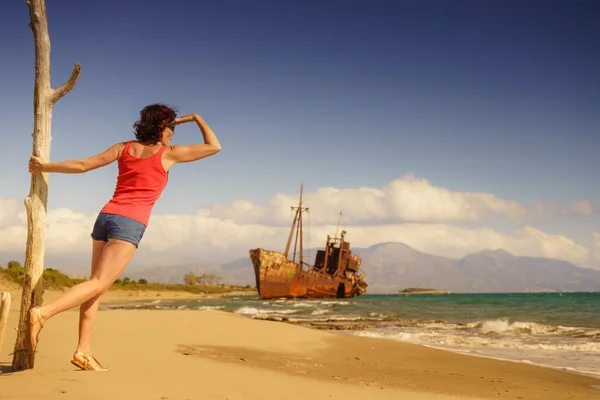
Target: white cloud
point(582, 207)
point(403, 200)
point(177, 237)
point(66, 231)
point(9, 212)
point(452, 241)
point(578, 208)
point(596, 237)
point(371, 215)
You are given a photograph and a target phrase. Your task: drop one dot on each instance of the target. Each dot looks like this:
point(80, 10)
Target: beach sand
point(177, 355)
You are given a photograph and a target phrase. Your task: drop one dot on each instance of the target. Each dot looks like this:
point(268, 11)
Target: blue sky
point(491, 98)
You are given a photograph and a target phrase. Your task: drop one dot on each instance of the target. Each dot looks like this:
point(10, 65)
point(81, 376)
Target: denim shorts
point(113, 226)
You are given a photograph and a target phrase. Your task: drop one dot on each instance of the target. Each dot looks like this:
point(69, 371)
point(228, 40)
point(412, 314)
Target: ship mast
point(297, 218)
point(338, 226)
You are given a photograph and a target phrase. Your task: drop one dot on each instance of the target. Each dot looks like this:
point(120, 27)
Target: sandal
point(35, 317)
point(86, 364)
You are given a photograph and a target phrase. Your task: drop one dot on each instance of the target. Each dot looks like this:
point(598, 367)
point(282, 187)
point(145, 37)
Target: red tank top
point(139, 185)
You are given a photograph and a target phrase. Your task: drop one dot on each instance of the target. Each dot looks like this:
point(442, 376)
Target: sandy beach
point(177, 355)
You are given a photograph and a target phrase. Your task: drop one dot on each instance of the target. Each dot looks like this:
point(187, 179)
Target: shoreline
point(586, 374)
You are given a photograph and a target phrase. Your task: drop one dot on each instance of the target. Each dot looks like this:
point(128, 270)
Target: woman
point(144, 165)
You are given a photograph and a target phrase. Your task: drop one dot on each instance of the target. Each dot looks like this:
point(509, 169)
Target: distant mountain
point(500, 271)
point(390, 267)
point(393, 266)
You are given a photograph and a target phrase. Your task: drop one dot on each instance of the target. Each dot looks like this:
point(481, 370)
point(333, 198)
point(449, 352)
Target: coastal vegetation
point(13, 275)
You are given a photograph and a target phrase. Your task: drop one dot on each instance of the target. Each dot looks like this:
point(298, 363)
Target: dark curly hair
point(154, 118)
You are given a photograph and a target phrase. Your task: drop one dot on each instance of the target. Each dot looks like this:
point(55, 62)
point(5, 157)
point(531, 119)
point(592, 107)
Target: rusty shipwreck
point(335, 273)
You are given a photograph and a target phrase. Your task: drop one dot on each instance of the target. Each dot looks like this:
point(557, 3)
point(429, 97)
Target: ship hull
point(277, 277)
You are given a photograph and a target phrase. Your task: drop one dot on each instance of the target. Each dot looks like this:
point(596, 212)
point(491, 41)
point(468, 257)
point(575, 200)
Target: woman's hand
point(36, 164)
point(186, 118)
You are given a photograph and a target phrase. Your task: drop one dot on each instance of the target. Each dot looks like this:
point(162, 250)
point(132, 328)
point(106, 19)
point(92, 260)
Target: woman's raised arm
point(194, 152)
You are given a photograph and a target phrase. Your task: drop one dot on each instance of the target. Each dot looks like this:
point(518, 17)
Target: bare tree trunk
point(4, 309)
point(44, 98)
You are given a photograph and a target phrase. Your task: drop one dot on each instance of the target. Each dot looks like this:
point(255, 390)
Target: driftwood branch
point(44, 98)
point(4, 309)
point(67, 86)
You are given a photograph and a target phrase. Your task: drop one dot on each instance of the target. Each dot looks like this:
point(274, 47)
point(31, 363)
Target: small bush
point(56, 280)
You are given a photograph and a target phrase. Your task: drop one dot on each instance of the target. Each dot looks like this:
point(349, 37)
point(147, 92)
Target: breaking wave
point(505, 326)
point(253, 311)
point(574, 349)
point(205, 308)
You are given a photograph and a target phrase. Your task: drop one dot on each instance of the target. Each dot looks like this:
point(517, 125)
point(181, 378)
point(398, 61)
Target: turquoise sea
point(559, 330)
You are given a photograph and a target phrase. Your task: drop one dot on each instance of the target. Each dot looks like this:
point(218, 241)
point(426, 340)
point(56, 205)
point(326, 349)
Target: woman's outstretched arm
point(77, 166)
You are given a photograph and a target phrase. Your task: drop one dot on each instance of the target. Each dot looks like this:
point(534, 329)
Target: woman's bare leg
point(114, 259)
point(87, 311)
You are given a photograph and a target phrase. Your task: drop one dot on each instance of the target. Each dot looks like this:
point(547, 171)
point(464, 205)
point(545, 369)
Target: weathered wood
point(4, 308)
point(44, 98)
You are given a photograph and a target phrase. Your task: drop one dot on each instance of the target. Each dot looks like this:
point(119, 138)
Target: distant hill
point(393, 266)
point(423, 291)
point(500, 271)
point(390, 267)
point(236, 272)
